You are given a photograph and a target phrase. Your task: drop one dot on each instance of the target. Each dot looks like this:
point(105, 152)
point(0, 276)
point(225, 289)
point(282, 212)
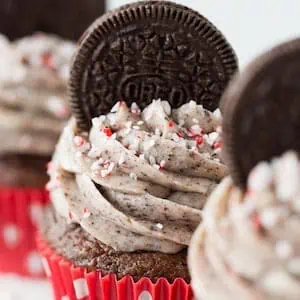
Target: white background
point(251, 26)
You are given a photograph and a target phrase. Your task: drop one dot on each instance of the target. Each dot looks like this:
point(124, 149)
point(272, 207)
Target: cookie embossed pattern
point(147, 51)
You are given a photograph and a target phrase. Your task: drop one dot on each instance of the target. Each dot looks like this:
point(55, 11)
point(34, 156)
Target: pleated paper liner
point(76, 283)
point(20, 211)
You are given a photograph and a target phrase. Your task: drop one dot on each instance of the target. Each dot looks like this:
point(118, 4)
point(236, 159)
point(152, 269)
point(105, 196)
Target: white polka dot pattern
point(81, 289)
point(145, 295)
point(11, 235)
point(34, 263)
point(65, 298)
point(36, 213)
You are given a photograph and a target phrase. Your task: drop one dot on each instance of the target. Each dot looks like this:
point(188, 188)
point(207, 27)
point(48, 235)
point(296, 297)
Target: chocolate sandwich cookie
point(68, 18)
point(262, 110)
point(145, 51)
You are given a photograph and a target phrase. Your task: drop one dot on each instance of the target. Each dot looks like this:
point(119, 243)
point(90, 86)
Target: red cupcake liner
point(20, 211)
point(75, 283)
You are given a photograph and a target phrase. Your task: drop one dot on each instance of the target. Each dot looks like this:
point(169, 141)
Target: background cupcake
point(247, 246)
point(67, 19)
point(33, 109)
point(128, 179)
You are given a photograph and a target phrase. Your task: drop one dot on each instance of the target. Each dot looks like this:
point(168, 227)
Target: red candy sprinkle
point(199, 139)
point(217, 144)
point(171, 124)
point(256, 222)
point(70, 215)
point(47, 59)
point(107, 131)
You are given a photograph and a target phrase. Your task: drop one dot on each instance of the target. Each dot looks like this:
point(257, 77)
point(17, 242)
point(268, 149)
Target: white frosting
point(33, 86)
point(248, 245)
point(154, 175)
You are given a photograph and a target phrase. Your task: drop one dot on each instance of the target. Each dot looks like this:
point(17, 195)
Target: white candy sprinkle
point(104, 173)
point(94, 152)
point(217, 113)
point(160, 226)
point(260, 177)
point(140, 122)
point(212, 137)
point(111, 167)
point(157, 132)
point(86, 214)
point(195, 120)
point(269, 217)
point(181, 122)
point(122, 159)
point(116, 107)
point(162, 164)
point(287, 174)
point(167, 108)
point(136, 127)
point(142, 156)
point(219, 129)
point(283, 249)
point(135, 109)
point(196, 130)
point(156, 166)
point(133, 176)
point(152, 160)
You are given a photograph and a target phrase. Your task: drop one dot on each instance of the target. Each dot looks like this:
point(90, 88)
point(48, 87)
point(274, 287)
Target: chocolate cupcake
point(129, 178)
point(33, 108)
point(247, 246)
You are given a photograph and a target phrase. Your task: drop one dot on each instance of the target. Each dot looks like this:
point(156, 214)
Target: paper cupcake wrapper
point(75, 283)
point(20, 211)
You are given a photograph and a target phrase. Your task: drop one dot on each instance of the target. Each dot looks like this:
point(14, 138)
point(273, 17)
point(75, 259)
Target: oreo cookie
point(145, 51)
point(261, 110)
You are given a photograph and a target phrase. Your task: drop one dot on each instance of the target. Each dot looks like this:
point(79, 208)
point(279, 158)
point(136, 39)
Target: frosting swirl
point(33, 87)
point(138, 180)
point(248, 245)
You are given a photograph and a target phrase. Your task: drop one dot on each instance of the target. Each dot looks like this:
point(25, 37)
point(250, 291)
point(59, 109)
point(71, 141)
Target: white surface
point(251, 26)
point(16, 288)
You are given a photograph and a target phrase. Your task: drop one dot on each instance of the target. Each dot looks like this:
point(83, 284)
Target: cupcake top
point(138, 179)
point(249, 247)
point(33, 85)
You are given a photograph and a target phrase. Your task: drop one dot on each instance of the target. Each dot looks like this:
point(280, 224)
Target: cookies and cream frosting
point(33, 86)
point(248, 245)
point(138, 179)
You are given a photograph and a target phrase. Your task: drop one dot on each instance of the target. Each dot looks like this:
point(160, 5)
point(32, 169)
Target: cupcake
point(247, 245)
point(129, 178)
point(33, 85)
